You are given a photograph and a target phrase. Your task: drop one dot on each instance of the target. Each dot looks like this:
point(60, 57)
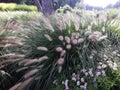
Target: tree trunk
point(45, 6)
point(39, 5)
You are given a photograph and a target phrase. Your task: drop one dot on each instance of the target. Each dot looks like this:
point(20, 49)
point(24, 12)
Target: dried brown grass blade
point(2, 31)
point(30, 73)
point(15, 86)
point(24, 84)
point(8, 61)
point(11, 56)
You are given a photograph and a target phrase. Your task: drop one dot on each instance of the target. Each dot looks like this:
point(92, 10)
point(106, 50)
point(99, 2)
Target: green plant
point(14, 7)
point(64, 9)
point(111, 81)
point(9, 6)
point(8, 42)
point(65, 51)
point(25, 8)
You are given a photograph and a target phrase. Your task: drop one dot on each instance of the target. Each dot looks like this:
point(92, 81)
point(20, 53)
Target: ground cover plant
point(64, 52)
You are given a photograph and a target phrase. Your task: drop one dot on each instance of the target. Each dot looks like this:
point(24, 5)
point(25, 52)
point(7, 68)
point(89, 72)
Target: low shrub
point(7, 41)
point(10, 6)
point(66, 51)
point(26, 8)
point(64, 9)
point(14, 7)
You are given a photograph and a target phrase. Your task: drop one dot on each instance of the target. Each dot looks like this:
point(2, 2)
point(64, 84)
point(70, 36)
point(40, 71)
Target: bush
point(26, 8)
point(65, 51)
point(7, 41)
point(64, 9)
point(9, 6)
point(14, 7)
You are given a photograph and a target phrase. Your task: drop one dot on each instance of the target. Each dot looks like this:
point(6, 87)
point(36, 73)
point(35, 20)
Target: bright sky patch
point(101, 3)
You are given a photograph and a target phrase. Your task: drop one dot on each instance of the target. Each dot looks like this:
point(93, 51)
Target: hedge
point(14, 7)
